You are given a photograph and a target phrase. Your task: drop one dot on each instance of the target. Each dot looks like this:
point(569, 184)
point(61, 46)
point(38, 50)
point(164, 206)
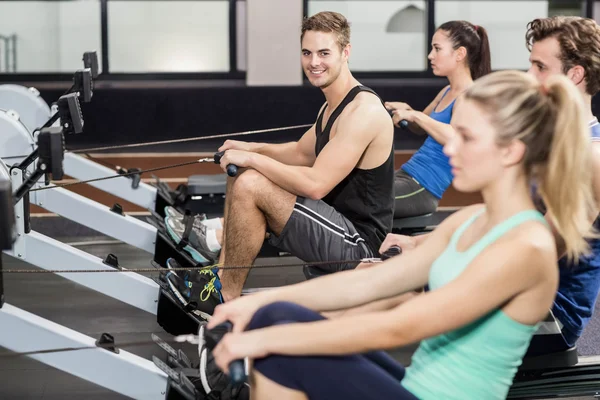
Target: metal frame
point(121, 372)
point(83, 169)
point(582, 379)
point(49, 254)
point(81, 209)
point(31, 112)
point(97, 216)
point(24, 332)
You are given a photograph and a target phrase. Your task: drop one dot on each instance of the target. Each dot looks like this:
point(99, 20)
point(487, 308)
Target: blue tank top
point(579, 283)
point(429, 165)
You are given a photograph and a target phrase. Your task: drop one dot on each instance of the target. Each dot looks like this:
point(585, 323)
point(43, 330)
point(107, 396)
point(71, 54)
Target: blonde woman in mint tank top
point(491, 269)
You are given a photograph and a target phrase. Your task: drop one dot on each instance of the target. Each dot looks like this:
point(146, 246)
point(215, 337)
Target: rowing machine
point(558, 374)
point(130, 375)
point(34, 112)
point(17, 140)
point(47, 253)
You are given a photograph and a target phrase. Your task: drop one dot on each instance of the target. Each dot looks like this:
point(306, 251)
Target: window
point(505, 22)
point(47, 36)
point(168, 36)
point(386, 35)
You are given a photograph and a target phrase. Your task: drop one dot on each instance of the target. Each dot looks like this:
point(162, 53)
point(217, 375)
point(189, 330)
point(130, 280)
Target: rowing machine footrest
point(171, 316)
point(182, 389)
point(165, 248)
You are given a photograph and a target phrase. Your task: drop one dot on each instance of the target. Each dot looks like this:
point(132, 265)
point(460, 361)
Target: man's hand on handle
point(402, 241)
point(239, 158)
point(239, 145)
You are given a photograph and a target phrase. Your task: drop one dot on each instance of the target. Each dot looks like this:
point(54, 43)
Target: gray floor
point(92, 313)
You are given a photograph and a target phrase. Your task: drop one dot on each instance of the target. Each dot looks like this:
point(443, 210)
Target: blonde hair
point(549, 119)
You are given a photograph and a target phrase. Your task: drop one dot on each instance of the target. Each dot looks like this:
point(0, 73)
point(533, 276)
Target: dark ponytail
point(474, 39)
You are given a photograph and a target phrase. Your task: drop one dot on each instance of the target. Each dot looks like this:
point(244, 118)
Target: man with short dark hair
point(327, 197)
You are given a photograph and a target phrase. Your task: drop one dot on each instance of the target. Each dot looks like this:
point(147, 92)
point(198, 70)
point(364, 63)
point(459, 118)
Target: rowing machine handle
point(403, 123)
point(232, 170)
point(391, 252)
point(237, 372)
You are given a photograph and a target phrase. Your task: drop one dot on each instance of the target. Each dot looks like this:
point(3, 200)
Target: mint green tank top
point(477, 361)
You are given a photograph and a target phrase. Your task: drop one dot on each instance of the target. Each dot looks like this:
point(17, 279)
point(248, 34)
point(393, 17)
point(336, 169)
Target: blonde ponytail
point(566, 179)
point(549, 120)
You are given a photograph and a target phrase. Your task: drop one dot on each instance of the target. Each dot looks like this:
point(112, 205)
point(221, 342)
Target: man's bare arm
point(354, 132)
point(290, 153)
point(301, 152)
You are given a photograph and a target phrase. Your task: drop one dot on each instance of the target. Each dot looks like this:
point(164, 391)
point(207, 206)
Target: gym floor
point(76, 307)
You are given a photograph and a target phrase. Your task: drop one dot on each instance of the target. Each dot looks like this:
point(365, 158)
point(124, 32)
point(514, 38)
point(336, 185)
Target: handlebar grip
point(391, 252)
point(232, 169)
point(237, 372)
point(403, 123)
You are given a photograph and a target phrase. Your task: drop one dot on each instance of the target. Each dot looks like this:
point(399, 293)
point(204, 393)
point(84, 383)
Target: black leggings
point(373, 375)
point(411, 199)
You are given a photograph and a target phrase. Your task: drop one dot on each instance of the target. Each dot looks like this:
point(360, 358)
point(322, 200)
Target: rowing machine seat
point(206, 194)
point(199, 185)
point(560, 359)
point(413, 224)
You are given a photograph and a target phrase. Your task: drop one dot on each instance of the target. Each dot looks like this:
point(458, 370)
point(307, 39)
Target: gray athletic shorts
point(317, 232)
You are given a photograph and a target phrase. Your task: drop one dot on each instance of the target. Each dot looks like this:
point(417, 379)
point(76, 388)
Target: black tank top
point(365, 196)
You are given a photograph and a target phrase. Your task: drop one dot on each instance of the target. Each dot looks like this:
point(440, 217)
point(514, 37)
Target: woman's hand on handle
point(396, 105)
point(403, 115)
point(237, 346)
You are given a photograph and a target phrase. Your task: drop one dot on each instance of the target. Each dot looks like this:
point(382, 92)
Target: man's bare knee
point(249, 183)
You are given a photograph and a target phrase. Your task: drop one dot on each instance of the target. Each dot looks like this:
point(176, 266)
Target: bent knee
point(250, 181)
point(282, 312)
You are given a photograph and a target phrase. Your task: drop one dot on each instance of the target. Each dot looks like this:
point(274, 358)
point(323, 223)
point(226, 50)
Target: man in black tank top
point(327, 197)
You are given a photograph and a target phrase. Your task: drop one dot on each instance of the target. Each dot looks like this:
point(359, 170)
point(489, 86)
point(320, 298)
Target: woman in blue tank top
point(461, 52)
point(491, 269)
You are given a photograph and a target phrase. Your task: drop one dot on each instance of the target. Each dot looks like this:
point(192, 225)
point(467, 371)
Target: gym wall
point(192, 37)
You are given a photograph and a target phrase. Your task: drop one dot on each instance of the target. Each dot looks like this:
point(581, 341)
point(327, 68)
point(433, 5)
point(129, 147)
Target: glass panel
point(505, 22)
point(168, 36)
point(48, 36)
point(386, 35)
point(566, 7)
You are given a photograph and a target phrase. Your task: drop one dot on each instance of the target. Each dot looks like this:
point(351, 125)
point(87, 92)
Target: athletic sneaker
point(212, 380)
point(201, 290)
point(172, 212)
point(196, 246)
